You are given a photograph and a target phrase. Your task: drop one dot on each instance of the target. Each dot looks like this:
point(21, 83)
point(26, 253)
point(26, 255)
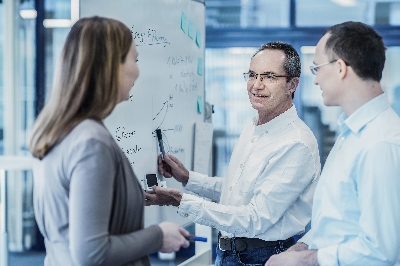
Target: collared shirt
point(269, 185)
point(356, 212)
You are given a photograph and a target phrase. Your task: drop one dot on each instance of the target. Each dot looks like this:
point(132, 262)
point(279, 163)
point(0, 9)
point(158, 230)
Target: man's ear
point(294, 82)
point(342, 68)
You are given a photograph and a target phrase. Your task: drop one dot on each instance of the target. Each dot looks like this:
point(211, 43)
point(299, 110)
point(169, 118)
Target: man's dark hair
point(292, 64)
point(360, 46)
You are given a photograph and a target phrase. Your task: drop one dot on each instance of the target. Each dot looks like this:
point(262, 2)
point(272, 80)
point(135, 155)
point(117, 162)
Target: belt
point(243, 243)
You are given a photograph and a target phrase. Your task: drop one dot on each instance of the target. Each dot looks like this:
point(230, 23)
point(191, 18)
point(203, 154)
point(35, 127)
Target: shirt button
point(186, 215)
point(241, 165)
point(230, 188)
point(252, 140)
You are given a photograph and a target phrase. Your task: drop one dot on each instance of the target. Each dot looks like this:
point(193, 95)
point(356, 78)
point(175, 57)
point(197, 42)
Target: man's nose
point(315, 80)
point(259, 81)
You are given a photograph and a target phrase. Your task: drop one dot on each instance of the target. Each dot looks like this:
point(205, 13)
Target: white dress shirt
point(356, 213)
point(269, 186)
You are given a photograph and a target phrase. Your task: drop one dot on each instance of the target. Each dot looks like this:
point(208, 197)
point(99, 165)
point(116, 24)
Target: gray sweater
point(89, 205)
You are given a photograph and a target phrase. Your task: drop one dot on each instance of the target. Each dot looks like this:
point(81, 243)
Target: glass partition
point(226, 90)
point(1, 80)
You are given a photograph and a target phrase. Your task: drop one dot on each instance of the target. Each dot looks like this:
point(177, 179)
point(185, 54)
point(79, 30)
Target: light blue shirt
point(356, 211)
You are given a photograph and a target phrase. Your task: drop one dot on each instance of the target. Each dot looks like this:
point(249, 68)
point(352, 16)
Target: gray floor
point(32, 258)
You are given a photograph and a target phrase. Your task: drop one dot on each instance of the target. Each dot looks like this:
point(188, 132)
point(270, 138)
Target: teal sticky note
point(183, 22)
point(200, 106)
point(191, 29)
point(200, 66)
point(198, 38)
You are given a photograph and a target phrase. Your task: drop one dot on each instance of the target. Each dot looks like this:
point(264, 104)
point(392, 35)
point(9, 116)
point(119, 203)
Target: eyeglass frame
point(314, 69)
point(265, 76)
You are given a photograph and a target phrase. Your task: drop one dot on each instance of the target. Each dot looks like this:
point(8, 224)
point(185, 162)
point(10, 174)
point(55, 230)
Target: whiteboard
point(169, 93)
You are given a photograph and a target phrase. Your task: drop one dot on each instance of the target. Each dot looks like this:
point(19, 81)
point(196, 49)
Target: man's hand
point(294, 258)
point(163, 197)
point(299, 246)
point(172, 167)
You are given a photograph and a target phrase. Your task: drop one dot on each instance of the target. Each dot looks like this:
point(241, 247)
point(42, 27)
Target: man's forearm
point(294, 258)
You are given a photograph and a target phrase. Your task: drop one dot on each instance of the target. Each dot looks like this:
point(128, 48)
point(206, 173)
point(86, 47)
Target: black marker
point(160, 143)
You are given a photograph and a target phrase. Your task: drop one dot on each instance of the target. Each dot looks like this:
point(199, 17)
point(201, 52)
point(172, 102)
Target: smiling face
point(270, 99)
point(129, 73)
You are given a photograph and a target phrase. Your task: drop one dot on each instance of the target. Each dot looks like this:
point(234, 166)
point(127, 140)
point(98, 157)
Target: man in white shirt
point(356, 214)
point(266, 197)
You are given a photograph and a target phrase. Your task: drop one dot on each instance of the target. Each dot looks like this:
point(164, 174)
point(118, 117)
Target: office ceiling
point(308, 13)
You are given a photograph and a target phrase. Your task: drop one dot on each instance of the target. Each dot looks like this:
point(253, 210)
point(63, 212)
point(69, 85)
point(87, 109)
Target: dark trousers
point(250, 257)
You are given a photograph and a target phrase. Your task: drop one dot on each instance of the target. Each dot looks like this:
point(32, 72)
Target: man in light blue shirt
point(356, 213)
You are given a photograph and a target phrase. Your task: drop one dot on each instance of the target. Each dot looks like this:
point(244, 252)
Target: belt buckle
point(223, 248)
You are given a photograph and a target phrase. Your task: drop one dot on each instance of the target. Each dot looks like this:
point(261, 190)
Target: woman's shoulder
point(89, 130)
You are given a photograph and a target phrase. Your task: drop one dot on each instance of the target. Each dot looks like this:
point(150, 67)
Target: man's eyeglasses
point(314, 69)
point(266, 77)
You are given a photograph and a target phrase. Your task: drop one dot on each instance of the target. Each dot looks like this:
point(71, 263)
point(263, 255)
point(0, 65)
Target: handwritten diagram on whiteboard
point(169, 93)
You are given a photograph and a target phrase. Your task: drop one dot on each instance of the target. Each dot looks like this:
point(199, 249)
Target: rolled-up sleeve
point(205, 186)
point(284, 179)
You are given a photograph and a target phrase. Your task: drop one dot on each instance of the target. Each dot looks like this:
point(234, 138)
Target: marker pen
point(193, 238)
point(160, 143)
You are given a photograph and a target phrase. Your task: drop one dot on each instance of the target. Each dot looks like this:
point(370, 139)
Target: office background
point(234, 30)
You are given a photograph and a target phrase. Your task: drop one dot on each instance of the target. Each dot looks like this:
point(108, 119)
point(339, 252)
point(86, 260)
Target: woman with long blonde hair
point(88, 202)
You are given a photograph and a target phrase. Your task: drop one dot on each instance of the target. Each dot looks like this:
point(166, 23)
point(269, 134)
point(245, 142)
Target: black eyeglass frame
point(269, 76)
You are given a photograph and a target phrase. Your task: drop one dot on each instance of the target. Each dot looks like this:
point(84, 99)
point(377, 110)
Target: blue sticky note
point(198, 38)
point(200, 106)
point(200, 66)
point(191, 29)
point(183, 22)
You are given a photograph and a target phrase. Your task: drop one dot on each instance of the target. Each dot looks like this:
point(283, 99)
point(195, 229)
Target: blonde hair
point(86, 80)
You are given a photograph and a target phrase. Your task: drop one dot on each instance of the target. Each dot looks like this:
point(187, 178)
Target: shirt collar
point(286, 118)
point(363, 115)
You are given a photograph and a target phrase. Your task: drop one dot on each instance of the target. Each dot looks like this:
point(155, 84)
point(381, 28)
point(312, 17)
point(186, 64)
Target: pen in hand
point(160, 143)
point(193, 238)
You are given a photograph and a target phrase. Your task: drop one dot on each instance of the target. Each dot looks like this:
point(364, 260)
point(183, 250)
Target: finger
point(160, 192)
point(171, 158)
point(186, 243)
point(166, 170)
point(171, 161)
point(155, 189)
point(176, 160)
point(161, 165)
point(184, 232)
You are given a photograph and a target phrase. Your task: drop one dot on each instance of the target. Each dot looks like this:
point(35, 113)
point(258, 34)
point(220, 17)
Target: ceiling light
point(347, 3)
point(28, 13)
point(57, 23)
